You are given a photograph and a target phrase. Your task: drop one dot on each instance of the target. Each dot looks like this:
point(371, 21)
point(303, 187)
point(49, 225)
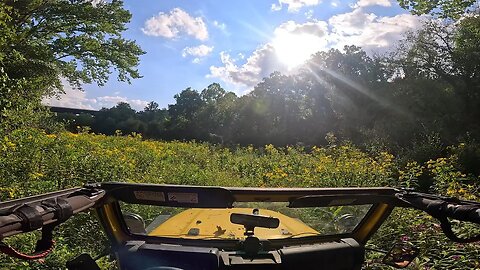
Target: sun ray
point(356, 86)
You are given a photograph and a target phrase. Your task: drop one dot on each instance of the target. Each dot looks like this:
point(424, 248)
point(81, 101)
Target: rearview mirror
point(401, 255)
point(252, 221)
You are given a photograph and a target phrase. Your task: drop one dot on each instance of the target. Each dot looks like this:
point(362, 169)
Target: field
point(33, 162)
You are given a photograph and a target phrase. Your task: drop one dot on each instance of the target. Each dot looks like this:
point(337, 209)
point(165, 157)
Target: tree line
point(426, 92)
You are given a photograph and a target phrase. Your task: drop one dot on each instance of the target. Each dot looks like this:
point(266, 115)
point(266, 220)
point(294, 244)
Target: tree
point(444, 8)
point(214, 116)
point(467, 59)
point(44, 41)
point(348, 83)
point(182, 123)
point(151, 107)
point(444, 55)
point(120, 117)
point(154, 120)
point(212, 93)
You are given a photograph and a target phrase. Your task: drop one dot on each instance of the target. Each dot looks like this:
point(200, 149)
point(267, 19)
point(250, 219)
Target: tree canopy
point(452, 9)
point(45, 43)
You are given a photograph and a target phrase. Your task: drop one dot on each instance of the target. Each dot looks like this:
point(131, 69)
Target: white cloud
point(367, 30)
point(201, 51)
point(71, 99)
point(78, 99)
point(351, 23)
point(366, 3)
point(315, 28)
point(219, 25)
point(175, 23)
point(261, 63)
point(301, 39)
point(294, 5)
point(96, 2)
point(198, 52)
point(309, 14)
point(110, 101)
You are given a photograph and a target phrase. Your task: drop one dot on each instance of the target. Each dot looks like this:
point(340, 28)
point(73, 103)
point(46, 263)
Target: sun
point(294, 49)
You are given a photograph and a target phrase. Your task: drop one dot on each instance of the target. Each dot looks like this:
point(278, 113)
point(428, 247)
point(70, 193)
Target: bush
point(468, 155)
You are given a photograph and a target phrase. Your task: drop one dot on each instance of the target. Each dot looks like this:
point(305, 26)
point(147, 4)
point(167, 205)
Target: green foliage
point(77, 39)
point(444, 8)
point(43, 42)
point(428, 146)
point(33, 162)
point(436, 251)
point(468, 155)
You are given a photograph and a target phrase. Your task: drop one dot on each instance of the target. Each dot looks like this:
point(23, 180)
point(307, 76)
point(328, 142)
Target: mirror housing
point(135, 223)
point(401, 255)
point(252, 221)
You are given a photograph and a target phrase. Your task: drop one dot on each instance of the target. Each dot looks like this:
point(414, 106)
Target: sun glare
point(294, 49)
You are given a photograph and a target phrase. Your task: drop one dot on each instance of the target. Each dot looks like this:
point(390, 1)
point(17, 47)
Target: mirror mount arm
point(249, 230)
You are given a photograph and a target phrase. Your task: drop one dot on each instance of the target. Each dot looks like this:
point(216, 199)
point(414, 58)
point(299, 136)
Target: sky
point(237, 43)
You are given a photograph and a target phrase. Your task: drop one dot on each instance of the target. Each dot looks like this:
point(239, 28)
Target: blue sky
point(237, 43)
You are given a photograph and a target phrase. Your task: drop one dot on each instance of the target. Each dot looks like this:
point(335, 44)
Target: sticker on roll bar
point(154, 196)
point(181, 197)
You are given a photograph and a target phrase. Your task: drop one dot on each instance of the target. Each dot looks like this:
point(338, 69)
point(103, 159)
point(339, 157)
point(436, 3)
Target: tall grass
point(33, 162)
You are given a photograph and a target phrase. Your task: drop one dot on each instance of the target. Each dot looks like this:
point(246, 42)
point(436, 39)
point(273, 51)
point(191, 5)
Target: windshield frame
point(381, 199)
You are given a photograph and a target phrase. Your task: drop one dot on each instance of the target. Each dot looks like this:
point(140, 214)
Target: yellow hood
point(215, 223)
